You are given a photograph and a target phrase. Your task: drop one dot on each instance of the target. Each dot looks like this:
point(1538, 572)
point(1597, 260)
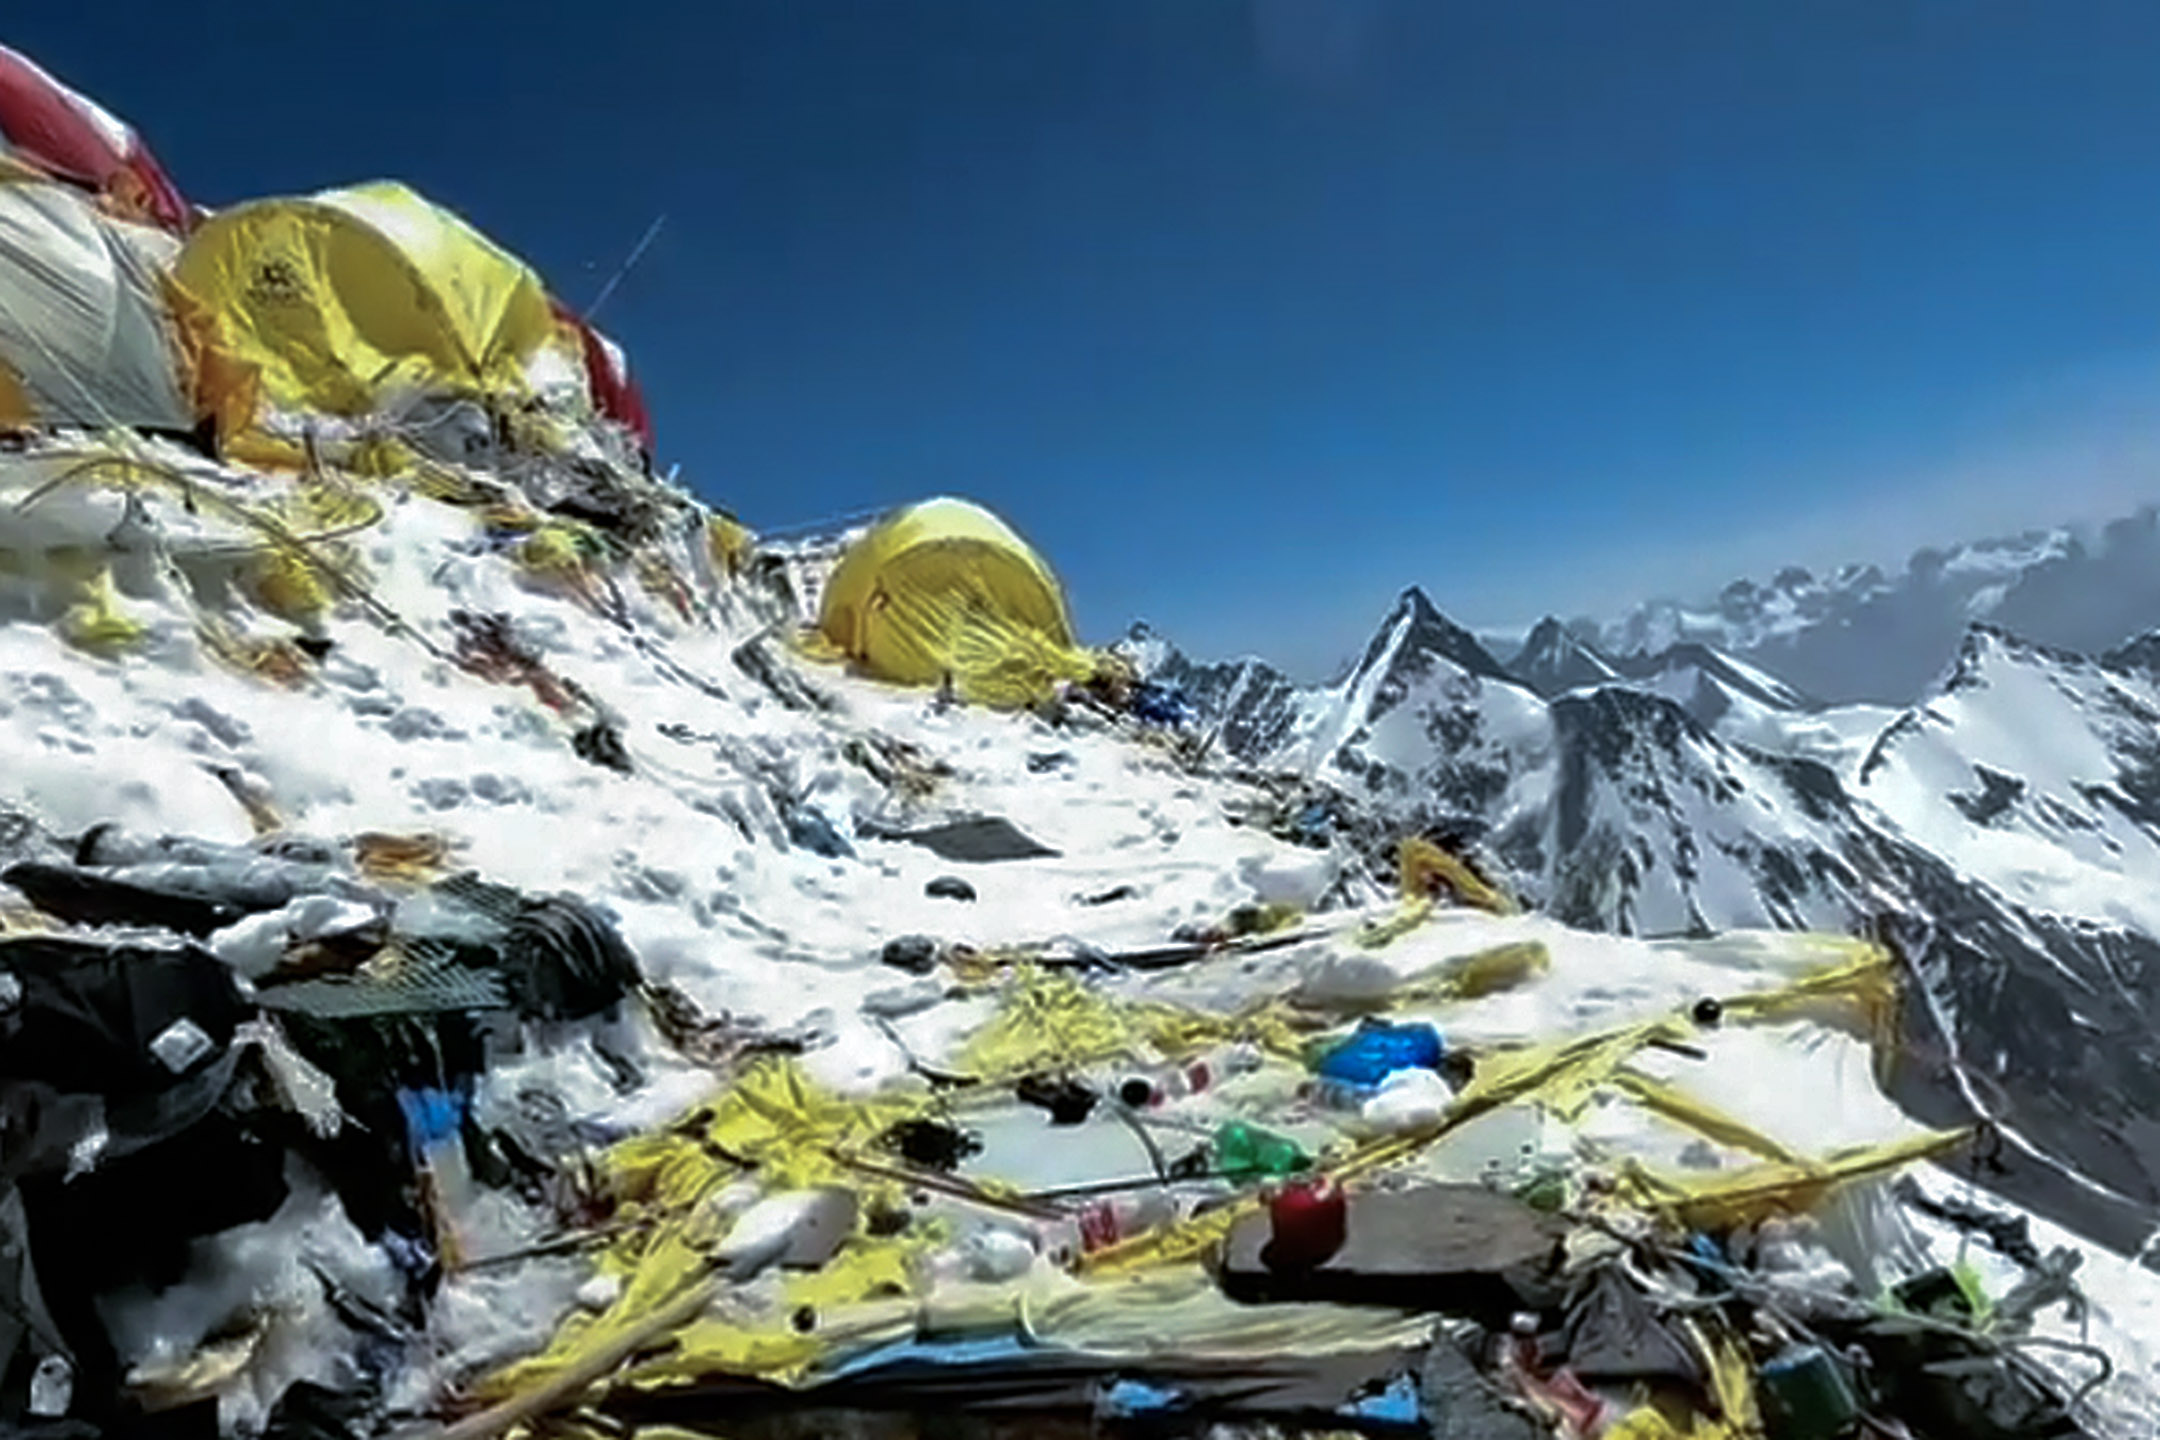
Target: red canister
point(1308, 1220)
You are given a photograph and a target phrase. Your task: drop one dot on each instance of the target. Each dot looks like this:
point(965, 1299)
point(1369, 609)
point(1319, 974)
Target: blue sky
point(1250, 312)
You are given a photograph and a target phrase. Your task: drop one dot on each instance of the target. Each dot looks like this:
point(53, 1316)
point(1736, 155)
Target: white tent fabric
point(83, 326)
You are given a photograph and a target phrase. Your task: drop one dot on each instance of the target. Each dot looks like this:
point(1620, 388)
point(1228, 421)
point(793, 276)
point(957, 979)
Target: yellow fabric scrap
point(771, 1347)
point(1856, 994)
point(1050, 1021)
point(1744, 1197)
point(96, 622)
point(1703, 1118)
point(1426, 868)
point(729, 543)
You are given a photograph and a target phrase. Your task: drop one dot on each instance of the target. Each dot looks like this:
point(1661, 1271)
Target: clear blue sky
point(1252, 311)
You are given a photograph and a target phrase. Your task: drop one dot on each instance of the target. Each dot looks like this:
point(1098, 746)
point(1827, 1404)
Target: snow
point(690, 854)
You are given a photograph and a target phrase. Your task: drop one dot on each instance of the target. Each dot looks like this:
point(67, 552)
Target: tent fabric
point(85, 337)
point(614, 391)
point(71, 137)
point(341, 300)
point(944, 589)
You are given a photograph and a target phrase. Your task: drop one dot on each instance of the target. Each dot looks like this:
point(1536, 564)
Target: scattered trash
point(1068, 1101)
point(1353, 1070)
point(602, 743)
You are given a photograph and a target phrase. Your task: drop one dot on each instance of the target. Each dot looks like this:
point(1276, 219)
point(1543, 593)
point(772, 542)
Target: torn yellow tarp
point(1857, 993)
point(1426, 871)
point(1744, 1197)
point(1430, 875)
point(1051, 1021)
point(771, 1345)
point(1703, 1118)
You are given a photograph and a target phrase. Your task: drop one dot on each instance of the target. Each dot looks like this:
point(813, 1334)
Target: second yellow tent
point(945, 589)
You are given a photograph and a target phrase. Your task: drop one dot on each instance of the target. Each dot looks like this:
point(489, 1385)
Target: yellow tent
point(344, 298)
point(85, 336)
point(945, 588)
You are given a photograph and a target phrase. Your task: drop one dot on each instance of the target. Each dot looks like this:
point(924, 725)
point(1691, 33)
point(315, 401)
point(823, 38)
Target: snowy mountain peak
point(2138, 656)
point(1415, 629)
point(1553, 661)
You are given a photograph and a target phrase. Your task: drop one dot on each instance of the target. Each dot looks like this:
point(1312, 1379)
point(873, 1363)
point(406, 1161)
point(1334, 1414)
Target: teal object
point(1806, 1396)
point(1247, 1152)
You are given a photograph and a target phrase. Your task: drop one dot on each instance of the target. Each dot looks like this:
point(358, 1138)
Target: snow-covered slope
point(737, 827)
point(1861, 634)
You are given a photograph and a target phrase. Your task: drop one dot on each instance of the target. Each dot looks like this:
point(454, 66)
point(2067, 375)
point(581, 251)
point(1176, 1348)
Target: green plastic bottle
point(1247, 1152)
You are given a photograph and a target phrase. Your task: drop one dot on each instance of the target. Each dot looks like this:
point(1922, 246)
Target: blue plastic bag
point(1379, 1048)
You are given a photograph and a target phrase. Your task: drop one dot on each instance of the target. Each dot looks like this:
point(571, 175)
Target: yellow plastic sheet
point(1856, 992)
point(1744, 1197)
point(1425, 869)
point(1051, 1021)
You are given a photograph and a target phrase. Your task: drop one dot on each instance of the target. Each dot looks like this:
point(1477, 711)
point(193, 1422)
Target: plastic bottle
point(1121, 1217)
point(1160, 1085)
point(1247, 1152)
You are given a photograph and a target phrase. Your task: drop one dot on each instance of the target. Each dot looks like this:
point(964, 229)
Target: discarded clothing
point(89, 1015)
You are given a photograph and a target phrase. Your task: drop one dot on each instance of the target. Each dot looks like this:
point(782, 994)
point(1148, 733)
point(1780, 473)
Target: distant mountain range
point(2003, 822)
point(1863, 635)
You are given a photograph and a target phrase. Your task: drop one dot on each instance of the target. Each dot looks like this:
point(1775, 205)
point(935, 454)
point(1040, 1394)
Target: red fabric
point(49, 125)
point(615, 393)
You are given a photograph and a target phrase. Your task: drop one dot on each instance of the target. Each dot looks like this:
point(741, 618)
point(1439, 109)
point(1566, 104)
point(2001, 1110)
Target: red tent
point(69, 136)
point(615, 393)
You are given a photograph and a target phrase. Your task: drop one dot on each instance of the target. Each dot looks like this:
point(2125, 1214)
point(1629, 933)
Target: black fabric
point(1944, 1384)
point(916, 954)
point(1613, 1334)
point(565, 962)
point(602, 744)
point(85, 897)
point(979, 841)
point(131, 1221)
point(89, 1012)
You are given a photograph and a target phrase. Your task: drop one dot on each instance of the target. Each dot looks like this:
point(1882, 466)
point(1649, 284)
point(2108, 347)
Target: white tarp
point(83, 326)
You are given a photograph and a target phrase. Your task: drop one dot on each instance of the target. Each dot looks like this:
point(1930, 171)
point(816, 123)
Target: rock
point(949, 887)
point(916, 954)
